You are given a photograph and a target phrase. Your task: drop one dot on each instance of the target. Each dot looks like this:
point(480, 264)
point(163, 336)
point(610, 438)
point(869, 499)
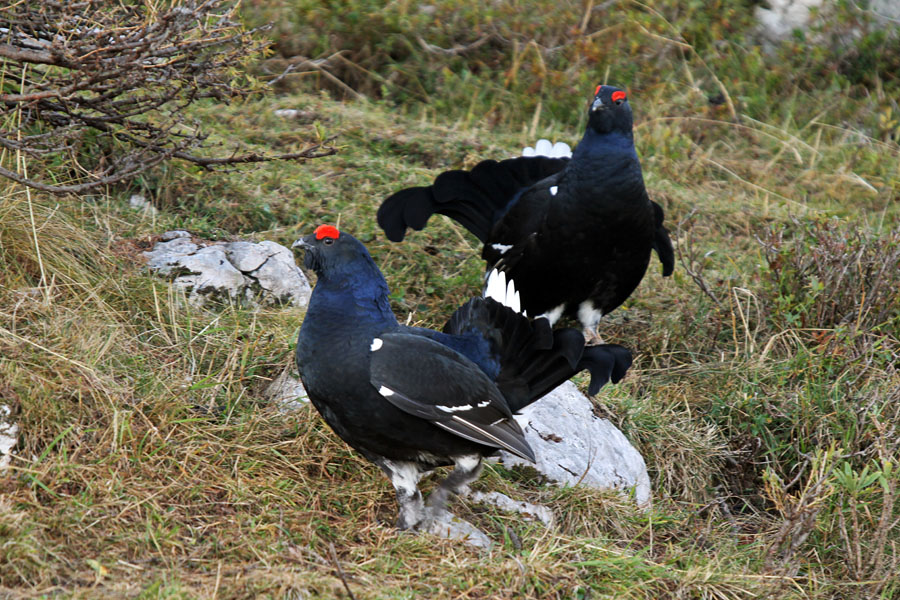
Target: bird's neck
point(597, 145)
point(354, 296)
point(609, 158)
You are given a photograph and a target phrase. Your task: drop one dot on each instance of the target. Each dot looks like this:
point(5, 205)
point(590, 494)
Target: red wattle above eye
point(324, 231)
point(619, 95)
point(597, 91)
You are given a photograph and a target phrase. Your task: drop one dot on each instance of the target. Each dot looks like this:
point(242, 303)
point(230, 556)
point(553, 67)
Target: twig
point(340, 571)
point(128, 72)
point(455, 50)
point(688, 257)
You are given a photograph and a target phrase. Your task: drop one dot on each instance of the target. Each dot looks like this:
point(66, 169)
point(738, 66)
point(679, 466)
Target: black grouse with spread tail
point(574, 235)
point(410, 399)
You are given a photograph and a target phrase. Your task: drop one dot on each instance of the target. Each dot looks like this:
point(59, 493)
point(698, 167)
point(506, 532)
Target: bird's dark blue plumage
point(574, 235)
point(410, 399)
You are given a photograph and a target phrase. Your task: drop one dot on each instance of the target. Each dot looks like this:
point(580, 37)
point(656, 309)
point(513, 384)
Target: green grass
point(763, 395)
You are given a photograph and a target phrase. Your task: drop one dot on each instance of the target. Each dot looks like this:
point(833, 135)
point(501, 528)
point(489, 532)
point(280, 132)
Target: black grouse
point(411, 399)
point(573, 234)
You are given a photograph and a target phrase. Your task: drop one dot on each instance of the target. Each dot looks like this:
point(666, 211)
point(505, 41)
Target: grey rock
point(210, 275)
point(782, 17)
point(574, 446)
point(245, 272)
point(246, 256)
point(9, 435)
point(287, 391)
point(529, 511)
point(273, 268)
point(174, 234)
point(448, 526)
point(138, 202)
point(165, 257)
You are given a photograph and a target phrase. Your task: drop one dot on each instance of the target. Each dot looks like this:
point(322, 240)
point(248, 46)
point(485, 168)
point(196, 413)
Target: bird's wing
point(431, 381)
point(521, 224)
point(662, 243)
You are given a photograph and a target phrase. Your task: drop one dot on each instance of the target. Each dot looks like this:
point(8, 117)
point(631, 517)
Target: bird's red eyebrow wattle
point(618, 95)
point(324, 231)
point(597, 91)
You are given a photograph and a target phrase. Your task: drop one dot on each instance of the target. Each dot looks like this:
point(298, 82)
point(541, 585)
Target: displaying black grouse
point(410, 399)
point(573, 234)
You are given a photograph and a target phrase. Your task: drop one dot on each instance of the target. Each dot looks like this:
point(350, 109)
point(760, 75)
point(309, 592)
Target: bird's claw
point(592, 337)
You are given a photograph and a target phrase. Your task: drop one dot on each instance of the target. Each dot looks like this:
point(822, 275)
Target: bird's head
point(329, 250)
point(610, 111)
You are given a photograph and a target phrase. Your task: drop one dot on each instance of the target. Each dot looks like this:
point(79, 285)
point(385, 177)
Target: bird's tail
point(533, 357)
point(476, 199)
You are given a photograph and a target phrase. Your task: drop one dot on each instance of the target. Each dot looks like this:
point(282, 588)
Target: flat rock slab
point(574, 446)
point(529, 511)
point(250, 273)
point(444, 524)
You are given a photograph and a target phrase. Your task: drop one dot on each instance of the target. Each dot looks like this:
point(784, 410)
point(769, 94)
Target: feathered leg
point(590, 319)
point(466, 470)
point(404, 477)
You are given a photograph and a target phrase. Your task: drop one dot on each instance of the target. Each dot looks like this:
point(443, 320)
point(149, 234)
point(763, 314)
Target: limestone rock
point(245, 272)
point(9, 435)
point(529, 511)
point(287, 391)
point(574, 446)
point(273, 268)
point(165, 255)
point(782, 17)
point(446, 525)
point(210, 275)
point(138, 202)
point(174, 234)
point(286, 113)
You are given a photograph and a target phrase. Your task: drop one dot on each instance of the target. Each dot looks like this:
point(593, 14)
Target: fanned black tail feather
point(476, 199)
point(606, 363)
point(533, 358)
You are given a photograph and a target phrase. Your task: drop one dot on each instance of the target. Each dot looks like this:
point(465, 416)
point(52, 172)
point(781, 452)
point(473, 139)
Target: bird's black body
point(410, 399)
point(573, 234)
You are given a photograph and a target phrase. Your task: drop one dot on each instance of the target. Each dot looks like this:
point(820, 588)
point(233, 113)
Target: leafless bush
point(832, 274)
point(106, 84)
point(689, 256)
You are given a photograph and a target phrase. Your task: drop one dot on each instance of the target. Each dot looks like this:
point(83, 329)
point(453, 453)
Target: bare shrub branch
point(109, 83)
point(689, 256)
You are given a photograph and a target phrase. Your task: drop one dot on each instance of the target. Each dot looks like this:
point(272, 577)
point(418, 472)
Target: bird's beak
point(304, 242)
point(597, 104)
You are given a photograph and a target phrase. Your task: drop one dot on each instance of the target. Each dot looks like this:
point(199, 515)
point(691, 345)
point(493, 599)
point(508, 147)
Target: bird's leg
point(466, 470)
point(592, 336)
point(589, 317)
point(404, 477)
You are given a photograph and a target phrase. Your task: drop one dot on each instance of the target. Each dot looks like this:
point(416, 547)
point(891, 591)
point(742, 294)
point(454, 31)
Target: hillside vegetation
point(765, 395)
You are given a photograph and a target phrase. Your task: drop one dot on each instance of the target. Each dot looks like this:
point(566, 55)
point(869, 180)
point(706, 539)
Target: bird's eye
point(328, 241)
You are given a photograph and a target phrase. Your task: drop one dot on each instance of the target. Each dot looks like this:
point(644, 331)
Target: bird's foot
point(419, 516)
point(412, 512)
point(406, 522)
point(591, 337)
